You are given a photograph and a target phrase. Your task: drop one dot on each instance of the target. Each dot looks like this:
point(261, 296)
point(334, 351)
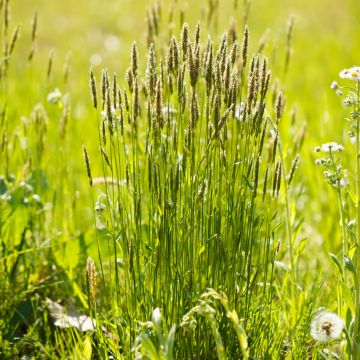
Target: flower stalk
point(356, 335)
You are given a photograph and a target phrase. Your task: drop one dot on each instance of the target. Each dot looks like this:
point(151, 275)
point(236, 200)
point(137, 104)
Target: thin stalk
point(288, 229)
point(343, 237)
point(342, 218)
point(356, 335)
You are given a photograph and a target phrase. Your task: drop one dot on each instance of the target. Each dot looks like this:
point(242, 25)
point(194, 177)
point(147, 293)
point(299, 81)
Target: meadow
point(179, 180)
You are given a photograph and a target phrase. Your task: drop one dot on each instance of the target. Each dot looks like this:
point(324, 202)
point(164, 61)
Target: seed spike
point(134, 59)
point(14, 38)
point(87, 163)
point(245, 45)
point(93, 88)
point(184, 40)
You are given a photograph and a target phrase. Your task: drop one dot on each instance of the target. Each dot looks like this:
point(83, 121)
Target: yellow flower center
point(354, 73)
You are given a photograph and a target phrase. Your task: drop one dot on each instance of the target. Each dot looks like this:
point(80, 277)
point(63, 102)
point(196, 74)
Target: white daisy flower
point(353, 73)
point(326, 326)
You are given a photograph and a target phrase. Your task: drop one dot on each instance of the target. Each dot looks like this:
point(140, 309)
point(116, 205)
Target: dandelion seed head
point(326, 326)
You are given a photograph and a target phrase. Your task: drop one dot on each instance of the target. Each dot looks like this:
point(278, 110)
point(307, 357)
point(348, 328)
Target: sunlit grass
point(197, 235)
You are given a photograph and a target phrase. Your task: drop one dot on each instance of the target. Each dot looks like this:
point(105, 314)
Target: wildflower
point(329, 147)
point(349, 101)
point(319, 162)
point(334, 85)
point(353, 73)
point(54, 97)
point(326, 326)
point(339, 92)
point(344, 182)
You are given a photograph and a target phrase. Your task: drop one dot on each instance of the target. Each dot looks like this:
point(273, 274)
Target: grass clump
point(190, 197)
point(163, 218)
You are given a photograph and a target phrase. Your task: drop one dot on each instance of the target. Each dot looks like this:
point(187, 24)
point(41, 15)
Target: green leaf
point(349, 264)
point(337, 263)
point(169, 346)
point(87, 349)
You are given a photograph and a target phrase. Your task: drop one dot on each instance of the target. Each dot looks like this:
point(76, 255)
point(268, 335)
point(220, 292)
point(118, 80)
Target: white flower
point(334, 85)
point(353, 73)
point(329, 147)
point(54, 97)
point(326, 326)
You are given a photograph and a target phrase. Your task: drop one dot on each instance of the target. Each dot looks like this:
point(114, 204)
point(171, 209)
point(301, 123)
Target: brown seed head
point(184, 40)
point(93, 89)
point(91, 278)
point(87, 164)
point(245, 45)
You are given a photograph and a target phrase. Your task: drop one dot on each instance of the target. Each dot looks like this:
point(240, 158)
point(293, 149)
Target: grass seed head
point(135, 104)
point(294, 166)
point(232, 31)
point(197, 35)
point(14, 38)
point(134, 59)
point(245, 45)
point(87, 164)
point(194, 64)
point(129, 77)
point(104, 87)
point(234, 53)
point(279, 106)
point(91, 278)
point(67, 67)
point(115, 91)
point(151, 73)
point(184, 40)
point(50, 64)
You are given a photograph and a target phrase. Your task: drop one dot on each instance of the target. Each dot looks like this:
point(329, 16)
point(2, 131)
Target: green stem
point(356, 335)
point(341, 209)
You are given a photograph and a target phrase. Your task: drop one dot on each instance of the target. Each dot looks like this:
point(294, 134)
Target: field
point(179, 180)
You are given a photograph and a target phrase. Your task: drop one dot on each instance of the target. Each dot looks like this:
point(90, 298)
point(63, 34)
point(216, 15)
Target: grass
point(158, 212)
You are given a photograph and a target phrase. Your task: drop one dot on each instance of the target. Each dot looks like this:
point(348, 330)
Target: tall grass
point(194, 195)
point(196, 245)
